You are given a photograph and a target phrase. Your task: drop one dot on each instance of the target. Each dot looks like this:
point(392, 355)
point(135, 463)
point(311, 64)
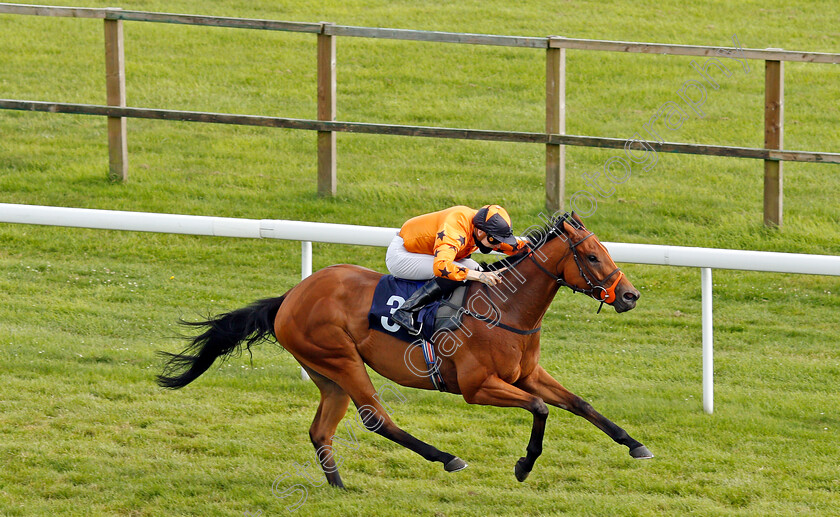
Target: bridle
point(598, 290)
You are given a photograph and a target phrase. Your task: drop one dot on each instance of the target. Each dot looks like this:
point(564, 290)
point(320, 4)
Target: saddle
point(450, 311)
point(391, 292)
point(445, 314)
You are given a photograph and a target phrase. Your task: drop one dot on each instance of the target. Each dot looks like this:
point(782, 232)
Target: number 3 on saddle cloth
point(391, 292)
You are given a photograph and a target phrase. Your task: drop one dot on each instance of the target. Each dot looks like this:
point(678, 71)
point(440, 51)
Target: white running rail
point(307, 232)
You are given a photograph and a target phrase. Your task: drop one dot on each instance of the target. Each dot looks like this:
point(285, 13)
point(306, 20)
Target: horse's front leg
point(495, 392)
point(543, 385)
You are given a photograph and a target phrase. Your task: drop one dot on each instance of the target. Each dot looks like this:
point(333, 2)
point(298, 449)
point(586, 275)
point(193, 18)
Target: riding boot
point(404, 316)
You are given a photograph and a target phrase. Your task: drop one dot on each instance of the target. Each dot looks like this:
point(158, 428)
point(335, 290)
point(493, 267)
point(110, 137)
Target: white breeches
point(415, 266)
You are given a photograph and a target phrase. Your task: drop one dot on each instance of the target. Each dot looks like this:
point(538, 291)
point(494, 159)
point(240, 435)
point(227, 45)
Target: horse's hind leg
point(331, 410)
point(356, 382)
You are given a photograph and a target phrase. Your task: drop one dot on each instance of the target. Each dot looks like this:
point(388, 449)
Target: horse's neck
point(529, 290)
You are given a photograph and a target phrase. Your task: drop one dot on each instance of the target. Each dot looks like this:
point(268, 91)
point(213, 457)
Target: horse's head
point(588, 268)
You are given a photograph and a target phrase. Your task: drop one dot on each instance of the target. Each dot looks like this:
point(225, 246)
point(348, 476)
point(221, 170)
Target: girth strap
point(431, 367)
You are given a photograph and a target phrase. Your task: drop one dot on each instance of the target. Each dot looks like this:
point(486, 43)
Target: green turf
point(85, 431)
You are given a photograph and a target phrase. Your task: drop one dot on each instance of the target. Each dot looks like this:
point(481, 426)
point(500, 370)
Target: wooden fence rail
point(422, 131)
point(554, 138)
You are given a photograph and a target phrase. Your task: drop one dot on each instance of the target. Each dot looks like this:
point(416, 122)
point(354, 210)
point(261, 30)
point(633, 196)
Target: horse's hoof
point(641, 453)
point(520, 472)
point(455, 464)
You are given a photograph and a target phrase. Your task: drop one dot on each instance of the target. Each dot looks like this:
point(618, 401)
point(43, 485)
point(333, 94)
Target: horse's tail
point(224, 335)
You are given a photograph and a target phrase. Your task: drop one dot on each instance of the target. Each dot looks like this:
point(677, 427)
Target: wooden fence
point(554, 138)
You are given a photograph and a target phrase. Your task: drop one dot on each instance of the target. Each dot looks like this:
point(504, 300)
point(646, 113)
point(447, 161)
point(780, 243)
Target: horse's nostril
point(630, 296)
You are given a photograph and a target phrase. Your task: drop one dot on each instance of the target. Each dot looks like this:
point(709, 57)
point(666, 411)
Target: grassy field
point(85, 431)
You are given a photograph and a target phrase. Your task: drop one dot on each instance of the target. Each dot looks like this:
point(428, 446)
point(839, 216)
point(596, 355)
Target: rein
point(498, 323)
point(597, 290)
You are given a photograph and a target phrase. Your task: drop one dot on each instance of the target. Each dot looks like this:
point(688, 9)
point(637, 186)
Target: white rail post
point(305, 259)
point(708, 343)
point(305, 271)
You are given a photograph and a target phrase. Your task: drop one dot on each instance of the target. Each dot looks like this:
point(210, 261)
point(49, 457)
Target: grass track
point(83, 429)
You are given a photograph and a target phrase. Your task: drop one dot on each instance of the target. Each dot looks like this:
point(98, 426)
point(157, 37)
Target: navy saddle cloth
point(391, 292)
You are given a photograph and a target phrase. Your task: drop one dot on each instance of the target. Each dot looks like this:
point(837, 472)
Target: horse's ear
point(567, 228)
point(578, 219)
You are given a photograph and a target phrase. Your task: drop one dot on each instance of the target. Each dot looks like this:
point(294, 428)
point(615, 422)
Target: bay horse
point(489, 360)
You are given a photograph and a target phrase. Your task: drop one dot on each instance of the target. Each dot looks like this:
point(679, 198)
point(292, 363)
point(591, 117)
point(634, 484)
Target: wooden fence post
point(555, 123)
point(115, 87)
point(326, 111)
point(774, 95)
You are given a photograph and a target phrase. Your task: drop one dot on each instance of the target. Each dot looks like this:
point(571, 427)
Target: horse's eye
point(592, 258)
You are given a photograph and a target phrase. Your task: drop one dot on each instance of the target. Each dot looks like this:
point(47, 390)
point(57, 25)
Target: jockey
point(437, 247)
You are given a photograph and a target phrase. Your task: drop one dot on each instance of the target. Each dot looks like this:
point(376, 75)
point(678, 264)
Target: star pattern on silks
point(453, 247)
point(441, 235)
point(436, 252)
point(462, 270)
point(444, 272)
point(462, 240)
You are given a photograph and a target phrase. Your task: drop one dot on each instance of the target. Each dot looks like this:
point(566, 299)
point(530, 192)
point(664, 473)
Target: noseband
point(597, 290)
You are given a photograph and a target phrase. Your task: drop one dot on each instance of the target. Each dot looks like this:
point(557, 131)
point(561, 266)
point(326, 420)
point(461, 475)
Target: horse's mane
point(549, 230)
